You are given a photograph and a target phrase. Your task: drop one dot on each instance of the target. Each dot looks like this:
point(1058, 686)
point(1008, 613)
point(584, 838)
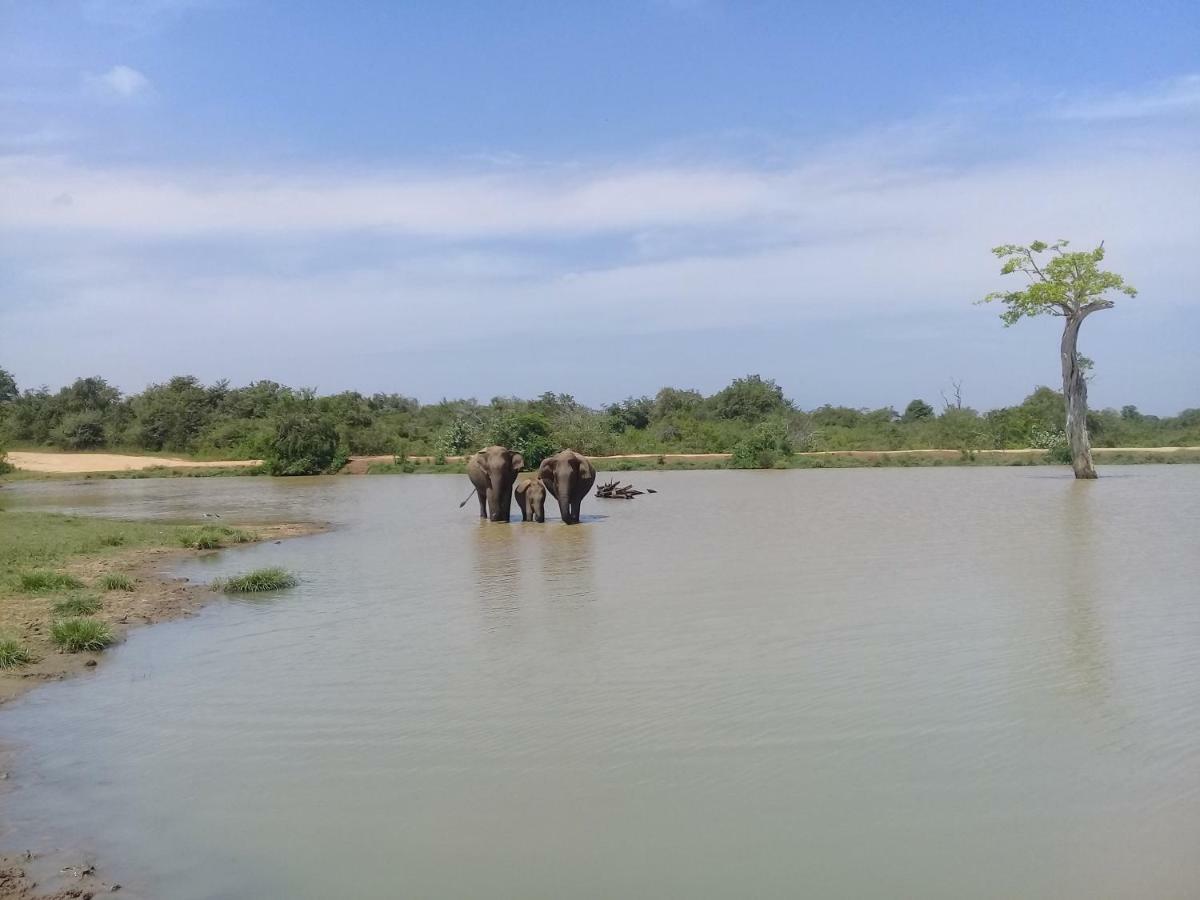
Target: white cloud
point(391, 262)
point(118, 83)
point(1174, 97)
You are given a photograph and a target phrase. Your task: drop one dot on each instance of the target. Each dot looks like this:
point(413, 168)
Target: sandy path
point(79, 463)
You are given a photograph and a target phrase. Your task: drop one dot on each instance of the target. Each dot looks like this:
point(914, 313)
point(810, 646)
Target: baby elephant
point(531, 497)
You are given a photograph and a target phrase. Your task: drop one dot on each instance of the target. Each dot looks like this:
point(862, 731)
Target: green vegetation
point(116, 581)
point(44, 582)
point(257, 581)
point(13, 653)
point(77, 634)
point(78, 605)
point(212, 537)
point(305, 442)
point(1071, 286)
point(299, 432)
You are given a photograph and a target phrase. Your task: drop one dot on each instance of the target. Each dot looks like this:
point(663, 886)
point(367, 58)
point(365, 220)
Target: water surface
point(831, 683)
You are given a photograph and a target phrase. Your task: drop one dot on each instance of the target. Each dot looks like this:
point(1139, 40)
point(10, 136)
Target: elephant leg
point(483, 511)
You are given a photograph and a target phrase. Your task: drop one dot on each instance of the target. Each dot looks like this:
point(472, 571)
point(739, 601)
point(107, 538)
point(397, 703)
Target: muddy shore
point(52, 873)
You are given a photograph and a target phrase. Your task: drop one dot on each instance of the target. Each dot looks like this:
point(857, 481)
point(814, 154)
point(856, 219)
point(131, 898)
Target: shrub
point(77, 634)
point(766, 445)
point(271, 579)
point(116, 581)
point(13, 653)
point(5, 466)
point(81, 431)
point(213, 537)
point(304, 443)
point(78, 605)
point(43, 582)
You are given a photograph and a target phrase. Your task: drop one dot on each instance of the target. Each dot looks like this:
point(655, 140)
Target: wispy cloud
point(118, 83)
point(1174, 97)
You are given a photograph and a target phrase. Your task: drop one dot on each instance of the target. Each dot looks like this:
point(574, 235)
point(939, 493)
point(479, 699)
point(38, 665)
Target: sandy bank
point(82, 463)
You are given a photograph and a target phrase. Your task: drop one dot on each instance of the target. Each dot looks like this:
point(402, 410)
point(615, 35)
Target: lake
point(960, 682)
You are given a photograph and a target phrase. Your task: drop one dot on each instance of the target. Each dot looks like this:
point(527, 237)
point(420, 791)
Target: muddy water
point(857, 683)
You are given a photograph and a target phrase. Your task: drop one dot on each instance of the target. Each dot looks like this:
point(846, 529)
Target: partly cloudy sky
point(474, 199)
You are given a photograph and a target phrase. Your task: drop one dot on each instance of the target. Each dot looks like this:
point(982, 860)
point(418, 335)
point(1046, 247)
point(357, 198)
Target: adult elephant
point(568, 476)
point(493, 470)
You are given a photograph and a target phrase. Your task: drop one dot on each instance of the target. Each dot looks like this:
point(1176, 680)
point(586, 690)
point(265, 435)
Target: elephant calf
point(531, 497)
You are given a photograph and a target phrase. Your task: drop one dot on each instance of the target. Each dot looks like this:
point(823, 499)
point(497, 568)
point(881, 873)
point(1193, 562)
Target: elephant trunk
point(494, 491)
point(562, 488)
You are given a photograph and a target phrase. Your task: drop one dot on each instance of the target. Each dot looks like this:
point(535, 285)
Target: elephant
point(531, 497)
point(568, 476)
point(493, 470)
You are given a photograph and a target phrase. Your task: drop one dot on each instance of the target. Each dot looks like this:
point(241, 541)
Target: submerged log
point(614, 490)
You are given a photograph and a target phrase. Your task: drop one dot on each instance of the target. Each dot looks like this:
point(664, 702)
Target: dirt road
point(81, 463)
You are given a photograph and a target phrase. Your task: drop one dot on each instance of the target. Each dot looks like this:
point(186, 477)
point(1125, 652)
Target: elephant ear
point(518, 462)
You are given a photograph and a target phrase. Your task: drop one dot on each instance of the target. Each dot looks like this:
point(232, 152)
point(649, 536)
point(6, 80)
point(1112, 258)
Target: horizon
point(418, 200)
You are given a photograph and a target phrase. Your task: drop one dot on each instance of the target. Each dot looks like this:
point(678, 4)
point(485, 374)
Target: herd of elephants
point(566, 475)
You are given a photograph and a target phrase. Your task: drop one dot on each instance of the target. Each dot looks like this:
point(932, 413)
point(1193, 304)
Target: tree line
point(298, 430)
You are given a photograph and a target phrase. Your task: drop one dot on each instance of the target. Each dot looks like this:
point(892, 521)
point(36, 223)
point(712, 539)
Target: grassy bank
point(70, 585)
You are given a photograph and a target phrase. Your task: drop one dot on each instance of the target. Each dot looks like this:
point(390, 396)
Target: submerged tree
point(1073, 286)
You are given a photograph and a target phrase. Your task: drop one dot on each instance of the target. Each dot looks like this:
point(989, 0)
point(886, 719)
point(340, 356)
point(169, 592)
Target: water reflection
point(1086, 654)
point(495, 548)
point(567, 562)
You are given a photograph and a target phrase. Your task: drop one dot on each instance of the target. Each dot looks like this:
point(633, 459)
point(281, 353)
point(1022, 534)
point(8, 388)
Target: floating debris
point(614, 490)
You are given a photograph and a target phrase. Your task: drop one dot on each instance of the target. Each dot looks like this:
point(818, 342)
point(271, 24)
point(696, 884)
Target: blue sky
point(482, 199)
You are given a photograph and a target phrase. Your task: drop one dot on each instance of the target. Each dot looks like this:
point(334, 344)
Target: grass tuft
point(116, 581)
point(78, 605)
point(42, 581)
point(213, 537)
point(13, 653)
point(272, 579)
point(77, 634)
point(111, 540)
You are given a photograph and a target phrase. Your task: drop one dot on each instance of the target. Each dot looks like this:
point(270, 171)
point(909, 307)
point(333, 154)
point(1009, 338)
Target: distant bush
point(272, 579)
point(116, 581)
point(766, 446)
point(77, 634)
point(42, 582)
point(81, 431)
point(304, 443)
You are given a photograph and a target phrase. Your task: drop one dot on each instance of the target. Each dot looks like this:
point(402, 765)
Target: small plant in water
point(116, 581)
point(77, 634)
point(272, 579)
point(78, 605)
point(13, 653)
point(41, 582)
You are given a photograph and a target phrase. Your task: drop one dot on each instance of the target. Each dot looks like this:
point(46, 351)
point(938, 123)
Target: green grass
point(35, 546)
point(78, 605)
point(272, 579)
point(46, 582)
point(115, 581)
point(13, 653)
point(76, 634)
point(212, 537)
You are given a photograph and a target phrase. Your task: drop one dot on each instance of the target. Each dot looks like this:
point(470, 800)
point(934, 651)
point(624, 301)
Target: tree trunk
point(1075, 393)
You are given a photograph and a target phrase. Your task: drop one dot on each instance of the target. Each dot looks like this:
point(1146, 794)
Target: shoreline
point(156, 597)
point(33, 873)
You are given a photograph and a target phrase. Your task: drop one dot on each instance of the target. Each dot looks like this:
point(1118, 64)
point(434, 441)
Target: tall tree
point(1073, 286)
